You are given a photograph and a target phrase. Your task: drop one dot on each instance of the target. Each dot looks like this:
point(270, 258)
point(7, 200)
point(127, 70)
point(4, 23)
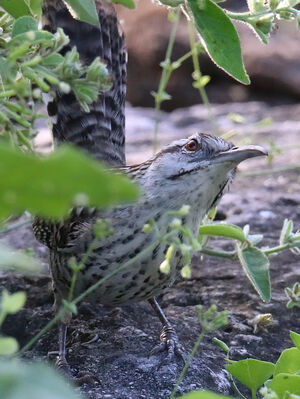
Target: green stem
point(165, 76)
point(47, 327)
point(122, 267)
point(197, 72)
point(221, 254)
point(7, 93)
point(91, 289)
point(245, 16)
point(79, 267)
point(180, 60)
point(188, 363)
point(279, 248)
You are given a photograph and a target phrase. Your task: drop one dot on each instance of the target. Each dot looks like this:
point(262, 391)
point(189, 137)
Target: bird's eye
point(192, 145)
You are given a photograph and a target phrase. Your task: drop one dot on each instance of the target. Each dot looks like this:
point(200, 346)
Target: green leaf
point(49, 186)
point(34, 37)
point(223, 230)
point(288, 362)
point(130, 3)
point(286, 231)
point(84, 10)
point(220, 38)
point(53, 60)
point(256, 265)
point(16, 8)
point(24, 24)
point(20, 380)
point(295, 338)
point(36, 6)
point(283, 383)
point(251, 372)
point(12, 303)
point(203, 395)
point(257, 5)
point(8, 346)
point(10, 259)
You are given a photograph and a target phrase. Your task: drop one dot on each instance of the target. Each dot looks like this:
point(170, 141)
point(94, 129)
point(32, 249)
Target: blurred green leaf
point(49, 186)
point(257, 5)
point(130, 3)
point(27, 381)
point(256, 265)
point(220, 38)
point(16, 8)
point(288, 362)
point(8, 346)
point(262, 26)
point(295, 338)
point(12, 303)
point(285, 382)
point(11, 259)
point(24, 24)
point(251, 372)
point(36, 6)
point(223, 230)
point(84, 10)
point(286, 231)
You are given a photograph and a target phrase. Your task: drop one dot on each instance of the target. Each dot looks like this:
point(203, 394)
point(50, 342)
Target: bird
point(193, 171)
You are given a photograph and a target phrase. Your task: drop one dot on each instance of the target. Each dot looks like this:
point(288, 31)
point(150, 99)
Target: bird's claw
point(168, 343)
point(83, 377)
point(62, 365)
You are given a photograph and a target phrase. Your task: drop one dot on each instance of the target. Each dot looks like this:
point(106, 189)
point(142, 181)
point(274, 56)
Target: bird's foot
point(83, 377)
point(169, 344)
point(63, 367)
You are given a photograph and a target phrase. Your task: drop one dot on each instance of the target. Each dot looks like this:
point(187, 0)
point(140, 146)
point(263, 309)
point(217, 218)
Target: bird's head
point(195, 170)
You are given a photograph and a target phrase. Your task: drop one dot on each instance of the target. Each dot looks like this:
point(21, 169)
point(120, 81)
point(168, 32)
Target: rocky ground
point(114, 344)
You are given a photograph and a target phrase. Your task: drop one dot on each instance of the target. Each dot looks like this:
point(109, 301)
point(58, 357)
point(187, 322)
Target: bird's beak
point(239, 154)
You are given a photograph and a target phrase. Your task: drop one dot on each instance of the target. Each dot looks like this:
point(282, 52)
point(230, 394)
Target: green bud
point(184, 210)
point(64, 87)
point(176, 223)
point(221, 345)
point(170, 252)
point(102, 229)
point(186, 272)
point(70, 306)
point(148, 227)
point(165, 267)
point(202, 81)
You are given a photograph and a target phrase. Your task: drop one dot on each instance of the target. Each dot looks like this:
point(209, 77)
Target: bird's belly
point(140, 280)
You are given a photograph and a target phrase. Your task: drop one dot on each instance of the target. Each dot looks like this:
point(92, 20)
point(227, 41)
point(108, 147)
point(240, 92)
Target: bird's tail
point(101, 131)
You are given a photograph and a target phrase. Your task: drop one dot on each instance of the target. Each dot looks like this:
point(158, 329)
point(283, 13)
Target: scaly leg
point(168, 338)
point(61, 362)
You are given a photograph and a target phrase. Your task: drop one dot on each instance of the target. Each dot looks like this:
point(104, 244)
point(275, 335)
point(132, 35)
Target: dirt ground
point(114, 344)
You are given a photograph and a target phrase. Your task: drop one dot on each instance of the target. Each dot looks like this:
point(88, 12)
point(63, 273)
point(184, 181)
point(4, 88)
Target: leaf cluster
point(31, 65)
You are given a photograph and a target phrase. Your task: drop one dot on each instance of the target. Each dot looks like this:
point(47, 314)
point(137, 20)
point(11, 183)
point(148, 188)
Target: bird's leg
point(168, 338)
point(61, 362)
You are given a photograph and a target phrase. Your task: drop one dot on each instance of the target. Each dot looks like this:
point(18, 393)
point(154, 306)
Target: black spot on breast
point(155, 251)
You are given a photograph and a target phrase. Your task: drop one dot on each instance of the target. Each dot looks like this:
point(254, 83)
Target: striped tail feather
point(101, 132)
